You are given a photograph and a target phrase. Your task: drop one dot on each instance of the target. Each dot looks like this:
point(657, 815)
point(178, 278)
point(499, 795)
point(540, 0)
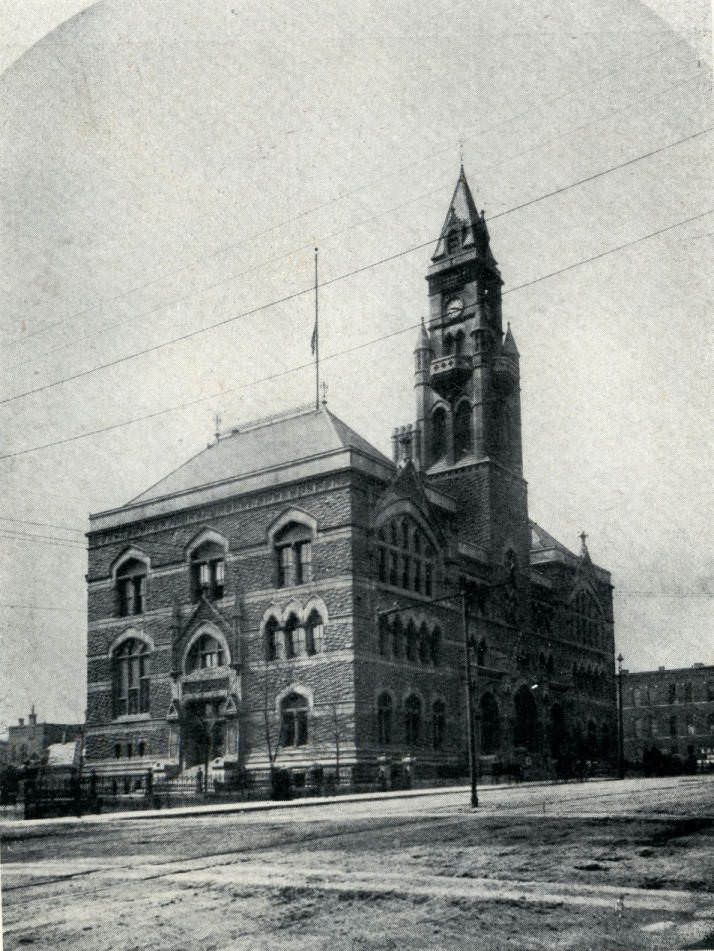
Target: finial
point(217, 422)
point(323, 387)
point(462, 142)
point(583, 540)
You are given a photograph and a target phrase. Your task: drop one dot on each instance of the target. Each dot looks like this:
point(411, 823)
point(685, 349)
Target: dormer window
point(131, 587)
point(453, 242)
point(208, 571)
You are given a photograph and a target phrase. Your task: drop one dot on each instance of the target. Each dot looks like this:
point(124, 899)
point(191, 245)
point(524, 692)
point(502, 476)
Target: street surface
point(598, 865)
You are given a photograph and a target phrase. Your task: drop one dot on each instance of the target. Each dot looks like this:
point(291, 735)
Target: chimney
point(21, 721)
point(33, 716)
point(661, 668)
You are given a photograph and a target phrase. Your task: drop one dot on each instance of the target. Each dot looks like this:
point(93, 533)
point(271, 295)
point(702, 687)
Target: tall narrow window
point(384, 719)
point(131, 674)
point(293, 552)
point(314, 634)
point(436, 647)
point(383, 636)
point(208, 571)
point(411, 642)
point(131, 587)
point(292, 637)
point(293, 720)
point(271, 639)
point(405, 560)
point(438, 724)
point(462, 430)
point(412, 720)
point(438, 434)
point(424, 645)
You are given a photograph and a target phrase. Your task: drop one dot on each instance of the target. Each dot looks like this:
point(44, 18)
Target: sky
point(168, 167)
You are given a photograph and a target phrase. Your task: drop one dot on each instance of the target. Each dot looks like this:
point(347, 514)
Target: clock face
point(454, 307)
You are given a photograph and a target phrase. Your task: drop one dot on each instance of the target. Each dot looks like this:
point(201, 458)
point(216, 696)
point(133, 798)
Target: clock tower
point(467, 384)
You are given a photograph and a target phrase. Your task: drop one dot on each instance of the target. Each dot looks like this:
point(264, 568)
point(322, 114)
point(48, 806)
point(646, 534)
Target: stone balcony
point(449, 372)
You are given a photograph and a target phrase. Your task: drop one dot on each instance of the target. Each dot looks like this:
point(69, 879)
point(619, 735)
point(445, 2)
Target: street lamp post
point(620, 723)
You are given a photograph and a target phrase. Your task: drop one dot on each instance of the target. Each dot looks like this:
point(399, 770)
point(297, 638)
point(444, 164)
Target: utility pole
point(471, 682)
point(620, 724)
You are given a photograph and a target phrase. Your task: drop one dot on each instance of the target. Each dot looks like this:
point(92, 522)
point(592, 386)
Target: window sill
point(131, 717)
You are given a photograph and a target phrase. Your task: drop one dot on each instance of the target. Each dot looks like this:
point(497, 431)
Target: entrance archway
point(203, 734)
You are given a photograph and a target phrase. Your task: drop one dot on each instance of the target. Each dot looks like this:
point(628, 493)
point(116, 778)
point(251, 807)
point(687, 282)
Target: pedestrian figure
point(199, 781)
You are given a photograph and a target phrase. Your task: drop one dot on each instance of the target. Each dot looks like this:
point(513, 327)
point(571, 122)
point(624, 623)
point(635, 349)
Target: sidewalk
point(181, 812)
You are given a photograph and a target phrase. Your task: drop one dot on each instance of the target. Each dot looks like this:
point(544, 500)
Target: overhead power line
point(348, 194)
point(308, 290)
point(38, 540)
point(25, 521)
point(348, 350)
point(512, 156)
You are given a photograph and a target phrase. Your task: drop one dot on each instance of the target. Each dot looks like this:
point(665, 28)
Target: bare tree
point(341, 726)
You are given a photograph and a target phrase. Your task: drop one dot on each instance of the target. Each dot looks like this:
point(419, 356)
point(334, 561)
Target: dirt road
point(597, 865)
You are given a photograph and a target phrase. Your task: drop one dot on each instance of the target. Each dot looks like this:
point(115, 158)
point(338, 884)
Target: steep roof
point(544, 541)
point(463, 214)
point(265, 444)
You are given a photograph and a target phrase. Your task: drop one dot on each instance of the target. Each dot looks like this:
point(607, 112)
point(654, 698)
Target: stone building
point(671, 711)
point(28, 742)
point(291, 595)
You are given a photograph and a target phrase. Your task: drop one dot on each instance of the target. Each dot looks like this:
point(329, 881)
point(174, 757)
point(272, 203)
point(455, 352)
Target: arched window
point(436, 647)
point(383, 633)
point(424, 646)
point(208, 571)
point(131, 674)
point(293, 555)
point(412, 720)
point(206, 652)
point(294, 638)
point(481, 653)
point(384, 718)
point(490, 725)
point(397, 637)
point(405, 561)
point(673, 726)
point(453, 242)
point(411, 642)
point(448, 347)
point(314, 634)
point(462, 430)
point(293, 720)
point(438, 434)
point(271, 639)
point(131, 587)
point(459, 342)
point(525, 731)
point(438, 724)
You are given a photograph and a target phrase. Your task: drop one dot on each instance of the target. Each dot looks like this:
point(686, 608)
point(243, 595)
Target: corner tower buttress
point(467, 383)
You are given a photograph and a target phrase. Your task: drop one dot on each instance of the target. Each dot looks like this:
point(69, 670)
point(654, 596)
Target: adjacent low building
point(671, 711)
point(28, 741)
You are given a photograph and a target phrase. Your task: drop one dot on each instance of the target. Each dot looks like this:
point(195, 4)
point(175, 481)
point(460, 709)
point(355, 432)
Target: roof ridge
point(261, 421)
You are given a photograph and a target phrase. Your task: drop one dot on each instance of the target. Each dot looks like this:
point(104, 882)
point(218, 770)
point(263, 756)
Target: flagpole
point(317, 342)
